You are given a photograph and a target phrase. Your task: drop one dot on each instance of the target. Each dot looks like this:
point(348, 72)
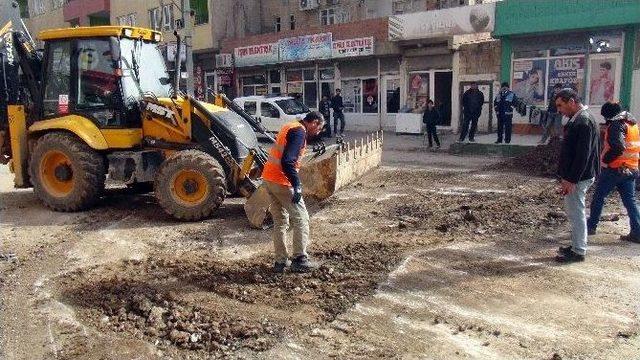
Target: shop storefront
point(431, 65)
point(542, 47)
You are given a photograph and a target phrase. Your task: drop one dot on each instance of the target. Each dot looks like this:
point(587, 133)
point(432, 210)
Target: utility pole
point(188, 43)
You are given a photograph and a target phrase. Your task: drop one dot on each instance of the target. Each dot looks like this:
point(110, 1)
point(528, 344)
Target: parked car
point(273, 111)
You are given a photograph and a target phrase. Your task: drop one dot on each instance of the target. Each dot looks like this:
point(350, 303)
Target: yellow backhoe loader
point(98, 102)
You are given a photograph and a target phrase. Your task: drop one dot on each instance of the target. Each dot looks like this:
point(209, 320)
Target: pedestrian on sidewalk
point(431, 118)
point(338, 115)
point(283, 184)
point(578, 166)
point(503, 105)
point(553, 125)
point(472, 102)
point(325, 109)
point(620, 157)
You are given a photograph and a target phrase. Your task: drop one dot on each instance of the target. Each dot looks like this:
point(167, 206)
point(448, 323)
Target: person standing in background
point(325, 109)
point(338, 106)
point(503, 105)
point(553, 127)
point(472, 102)
point(431, 118)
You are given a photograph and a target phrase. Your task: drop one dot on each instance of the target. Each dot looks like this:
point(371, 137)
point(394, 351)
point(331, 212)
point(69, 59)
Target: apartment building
point(386, 56)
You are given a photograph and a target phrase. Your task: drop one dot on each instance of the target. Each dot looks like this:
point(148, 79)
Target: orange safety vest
point(273, 168)
point(629, 158)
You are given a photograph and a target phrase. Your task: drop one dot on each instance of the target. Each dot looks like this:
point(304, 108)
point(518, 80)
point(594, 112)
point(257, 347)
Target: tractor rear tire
point(67, 175)
point(190, 185)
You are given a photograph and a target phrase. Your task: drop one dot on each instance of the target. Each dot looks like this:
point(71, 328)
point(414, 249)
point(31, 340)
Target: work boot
point(564, 250)
point(278, 266)
point(631, 238)
point(302, 264)
point(569, 257)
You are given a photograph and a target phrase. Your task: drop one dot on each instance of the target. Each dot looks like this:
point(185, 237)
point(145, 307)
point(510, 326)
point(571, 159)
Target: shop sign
point(256, 54)
point(198, 83)
point(439, 23)
point(225, 76)
point(568, 72)
point(353, 47)
point(224, 61)
point(308, 47)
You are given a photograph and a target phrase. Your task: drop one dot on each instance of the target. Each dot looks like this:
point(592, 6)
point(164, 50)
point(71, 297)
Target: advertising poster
point(602, 80)
point(308, 47)
point(568, 72)
point(353, 47)
point(256, 55)
point(529, 81)
point(418, 92)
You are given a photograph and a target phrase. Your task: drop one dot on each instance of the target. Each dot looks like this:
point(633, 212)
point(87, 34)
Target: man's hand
point(566, 187)
point(297, 195)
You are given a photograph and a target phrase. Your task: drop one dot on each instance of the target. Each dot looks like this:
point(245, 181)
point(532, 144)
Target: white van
point(273, 111)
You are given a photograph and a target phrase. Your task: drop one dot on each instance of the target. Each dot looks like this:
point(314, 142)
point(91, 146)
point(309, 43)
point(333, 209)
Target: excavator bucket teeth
point(323, 174)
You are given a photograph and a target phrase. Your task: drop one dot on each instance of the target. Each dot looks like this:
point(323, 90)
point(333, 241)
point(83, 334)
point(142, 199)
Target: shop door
point(485, 122)
point(442, 81)
point(390, 100)
point(210, 86)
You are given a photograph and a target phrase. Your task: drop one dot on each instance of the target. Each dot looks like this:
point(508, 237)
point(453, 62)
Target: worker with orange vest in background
point(620, 156)
point(280, 175)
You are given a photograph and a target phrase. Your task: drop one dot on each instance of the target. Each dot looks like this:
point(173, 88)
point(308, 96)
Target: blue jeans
point(626, 186)
point(574, 205)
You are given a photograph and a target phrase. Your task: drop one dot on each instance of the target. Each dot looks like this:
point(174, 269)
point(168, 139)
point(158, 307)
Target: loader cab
point(101, 74)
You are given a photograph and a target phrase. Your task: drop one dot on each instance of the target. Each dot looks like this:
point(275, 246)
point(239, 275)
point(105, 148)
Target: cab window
point(268, 110)
point(250, 107)
point(57, 79)
point(97, 88)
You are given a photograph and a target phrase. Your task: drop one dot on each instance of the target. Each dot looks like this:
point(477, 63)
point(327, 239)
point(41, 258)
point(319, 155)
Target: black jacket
point(324, 108)
point(617, 132)
point(431, 117)
point(336, 103)
point(472, 102)
point(579, 156)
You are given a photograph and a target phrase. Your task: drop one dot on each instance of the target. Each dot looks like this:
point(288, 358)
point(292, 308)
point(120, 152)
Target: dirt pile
point(153, 300)
point(541, 161)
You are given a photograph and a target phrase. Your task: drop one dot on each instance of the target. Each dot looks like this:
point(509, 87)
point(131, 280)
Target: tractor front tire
point(67, 175)
point(190, 185)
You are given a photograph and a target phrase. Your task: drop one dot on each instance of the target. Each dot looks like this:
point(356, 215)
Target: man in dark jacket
point(503, 105)
point(472, 101)
point(577, 168)
point(619, 170)
point(338, 115)
point(553, 125)
point(324, 108)
point(431, 118)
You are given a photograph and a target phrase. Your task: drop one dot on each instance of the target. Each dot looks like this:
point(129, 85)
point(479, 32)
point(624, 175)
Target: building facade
point(591, 46)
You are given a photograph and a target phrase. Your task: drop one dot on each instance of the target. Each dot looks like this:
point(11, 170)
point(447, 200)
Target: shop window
point(327, 89)
point(250, 107)
point(58, 80)
point(201, 11)
point(274, 76)
point(528, 80)
point(370, 96)
point(294, 75)
point(327, 74)
point(606, 42)
point(352, 95)
point(309, 75)
point(254, 85)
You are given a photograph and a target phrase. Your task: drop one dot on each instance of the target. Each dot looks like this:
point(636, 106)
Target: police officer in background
point(503, 105)
point(280, 175)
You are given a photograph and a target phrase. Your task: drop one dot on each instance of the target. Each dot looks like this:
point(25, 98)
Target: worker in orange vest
point(280, 175)
point(620, 157)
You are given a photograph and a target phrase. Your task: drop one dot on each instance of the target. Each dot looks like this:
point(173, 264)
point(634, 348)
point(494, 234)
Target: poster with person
point(602, 80)
point(529, 81)
point(568, 72)
point(418, 91)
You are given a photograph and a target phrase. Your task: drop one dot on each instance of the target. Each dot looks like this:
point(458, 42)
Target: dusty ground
point(430, 256)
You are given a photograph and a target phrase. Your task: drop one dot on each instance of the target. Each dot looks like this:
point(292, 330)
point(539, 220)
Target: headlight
point(157, 37)
point(128, 32)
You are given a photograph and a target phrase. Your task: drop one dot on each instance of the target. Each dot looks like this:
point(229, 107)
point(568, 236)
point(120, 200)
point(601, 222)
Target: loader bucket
point(323, 174)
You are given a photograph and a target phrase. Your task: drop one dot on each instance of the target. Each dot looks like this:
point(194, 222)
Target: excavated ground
point(126, 281)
